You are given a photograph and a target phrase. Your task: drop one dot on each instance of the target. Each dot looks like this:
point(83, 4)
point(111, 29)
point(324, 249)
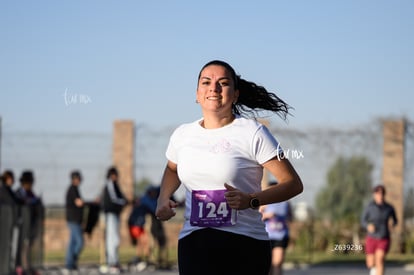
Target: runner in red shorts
point(375, 219)
point(143, 206)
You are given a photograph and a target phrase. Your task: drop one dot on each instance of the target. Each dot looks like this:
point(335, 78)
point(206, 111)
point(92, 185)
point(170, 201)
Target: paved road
point(305, 270)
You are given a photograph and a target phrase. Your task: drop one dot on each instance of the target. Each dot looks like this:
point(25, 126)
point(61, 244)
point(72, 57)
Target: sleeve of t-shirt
point(265, 145)
point(171, 152)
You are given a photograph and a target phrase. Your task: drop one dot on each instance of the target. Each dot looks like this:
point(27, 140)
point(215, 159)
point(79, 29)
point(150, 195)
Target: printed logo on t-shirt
point(210, 209)
point(221, 146)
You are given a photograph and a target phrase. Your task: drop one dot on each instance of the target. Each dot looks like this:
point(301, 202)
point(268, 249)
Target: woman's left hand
point(236, 199)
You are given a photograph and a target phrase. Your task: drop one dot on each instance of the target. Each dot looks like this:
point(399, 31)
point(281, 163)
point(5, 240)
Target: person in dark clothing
point(30, 215)
point(25, 192)
point(375, 219)
point(9, 222)
point(74, 214)
point(7, 195)
point(143, 206)
point(113, 202)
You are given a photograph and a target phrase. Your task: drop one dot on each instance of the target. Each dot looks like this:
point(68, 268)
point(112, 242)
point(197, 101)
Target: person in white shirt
point(113, 202)
point(220, 159)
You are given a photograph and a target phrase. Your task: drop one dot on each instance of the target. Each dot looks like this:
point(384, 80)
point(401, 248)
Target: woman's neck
point(214, 122)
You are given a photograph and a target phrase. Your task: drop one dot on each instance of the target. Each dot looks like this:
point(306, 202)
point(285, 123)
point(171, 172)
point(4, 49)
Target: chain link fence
point(53, 155)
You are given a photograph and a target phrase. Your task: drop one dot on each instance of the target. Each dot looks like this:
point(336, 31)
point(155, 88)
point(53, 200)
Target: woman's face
point(215, 90)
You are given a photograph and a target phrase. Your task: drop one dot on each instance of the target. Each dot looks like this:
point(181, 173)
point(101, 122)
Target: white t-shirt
point(233, 154)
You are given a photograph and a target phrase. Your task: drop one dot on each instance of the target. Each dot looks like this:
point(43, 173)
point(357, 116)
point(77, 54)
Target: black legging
point(215, 252)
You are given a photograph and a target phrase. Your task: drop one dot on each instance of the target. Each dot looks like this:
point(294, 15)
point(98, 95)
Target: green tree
point(348, 185)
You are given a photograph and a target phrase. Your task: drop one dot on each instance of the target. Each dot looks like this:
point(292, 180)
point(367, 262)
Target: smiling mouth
point(213, 98)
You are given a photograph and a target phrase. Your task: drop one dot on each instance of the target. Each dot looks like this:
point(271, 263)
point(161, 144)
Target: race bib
point(210, 209)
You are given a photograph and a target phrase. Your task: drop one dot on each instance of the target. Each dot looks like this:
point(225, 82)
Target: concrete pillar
point(123, 157)
point(393, 174)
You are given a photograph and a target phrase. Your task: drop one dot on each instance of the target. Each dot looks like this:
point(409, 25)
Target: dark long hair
point(253, 98)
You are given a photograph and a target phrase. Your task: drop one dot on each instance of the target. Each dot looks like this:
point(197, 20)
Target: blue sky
point(335, 62)
point(76, 66)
